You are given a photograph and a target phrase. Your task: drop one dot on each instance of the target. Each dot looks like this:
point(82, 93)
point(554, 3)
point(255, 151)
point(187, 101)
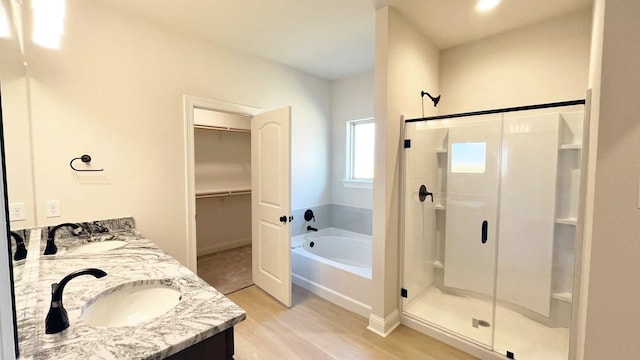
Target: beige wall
point(16, 127)
point(114, 91)
point(351, 99)
point(612, 311)
point(399, 47)
point(540, 63)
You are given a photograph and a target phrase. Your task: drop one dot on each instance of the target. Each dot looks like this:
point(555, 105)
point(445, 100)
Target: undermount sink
point(131, 303)
point(98, 246)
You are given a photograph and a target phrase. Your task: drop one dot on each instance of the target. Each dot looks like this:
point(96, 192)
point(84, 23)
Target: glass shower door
point(450, 234)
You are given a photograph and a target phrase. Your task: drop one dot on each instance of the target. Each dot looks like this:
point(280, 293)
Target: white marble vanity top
point(201, 313)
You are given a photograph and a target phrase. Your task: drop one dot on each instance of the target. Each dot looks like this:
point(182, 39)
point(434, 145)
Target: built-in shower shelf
point(441, 151)
point(565, 296)
point(440, 207)
point(438, 265)
point(570, 146)
point(567, 221)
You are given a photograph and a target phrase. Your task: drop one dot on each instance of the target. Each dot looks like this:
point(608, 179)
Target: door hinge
point(404, 293)
point(407, 143)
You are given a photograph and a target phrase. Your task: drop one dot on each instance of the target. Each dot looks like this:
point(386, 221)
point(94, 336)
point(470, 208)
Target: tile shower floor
point(527, 339)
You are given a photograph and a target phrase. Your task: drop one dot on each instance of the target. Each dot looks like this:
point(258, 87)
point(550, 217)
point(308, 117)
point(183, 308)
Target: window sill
point(358, 184)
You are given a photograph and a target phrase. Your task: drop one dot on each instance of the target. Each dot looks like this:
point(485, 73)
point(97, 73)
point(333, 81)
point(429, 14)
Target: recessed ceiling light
point(486, 5)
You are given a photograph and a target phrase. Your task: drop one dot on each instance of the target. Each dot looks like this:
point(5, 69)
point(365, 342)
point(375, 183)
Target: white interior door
point(271, 202)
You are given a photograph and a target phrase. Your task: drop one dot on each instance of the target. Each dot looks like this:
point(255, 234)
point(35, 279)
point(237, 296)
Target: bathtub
point(334, 264)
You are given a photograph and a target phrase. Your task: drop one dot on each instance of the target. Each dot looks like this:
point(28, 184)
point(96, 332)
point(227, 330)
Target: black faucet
point(21, 250)
point(51, 245)
point(57, 319)
point(309, 228)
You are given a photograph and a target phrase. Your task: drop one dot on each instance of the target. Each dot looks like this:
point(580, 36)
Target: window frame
point(351, 181)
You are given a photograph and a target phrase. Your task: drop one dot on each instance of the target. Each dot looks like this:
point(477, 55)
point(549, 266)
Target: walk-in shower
point(490, 208)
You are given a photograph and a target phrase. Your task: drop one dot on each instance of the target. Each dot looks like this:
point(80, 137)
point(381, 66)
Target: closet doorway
point(238, 192)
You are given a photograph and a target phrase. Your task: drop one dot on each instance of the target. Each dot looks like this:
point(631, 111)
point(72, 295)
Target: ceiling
point(335, 38)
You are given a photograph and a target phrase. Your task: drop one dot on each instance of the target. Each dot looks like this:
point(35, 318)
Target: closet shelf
point(565, 296)
point(222, 128)
point(221, 193)
point(570, 146)
point(567, 221)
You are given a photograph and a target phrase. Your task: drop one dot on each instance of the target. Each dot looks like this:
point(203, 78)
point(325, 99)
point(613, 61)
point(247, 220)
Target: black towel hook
point(84, 159)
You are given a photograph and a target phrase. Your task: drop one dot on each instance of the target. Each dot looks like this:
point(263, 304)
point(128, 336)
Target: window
point(360, 141)
point(468, 158)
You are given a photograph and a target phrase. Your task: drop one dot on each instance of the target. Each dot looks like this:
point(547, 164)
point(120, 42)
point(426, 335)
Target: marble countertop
point(201, 313)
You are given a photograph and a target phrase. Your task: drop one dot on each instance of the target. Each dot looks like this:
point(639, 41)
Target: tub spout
point(309, 228)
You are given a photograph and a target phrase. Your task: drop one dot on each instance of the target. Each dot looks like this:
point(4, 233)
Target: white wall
point(351, 99)
point(536, 64)
point(114, 91)
point(399, 47)
point(612, 310)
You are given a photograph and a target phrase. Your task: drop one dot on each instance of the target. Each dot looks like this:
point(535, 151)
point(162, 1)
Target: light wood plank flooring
point(317, 329)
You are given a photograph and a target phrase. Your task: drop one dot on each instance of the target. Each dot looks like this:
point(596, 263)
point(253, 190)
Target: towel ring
point(84, 159)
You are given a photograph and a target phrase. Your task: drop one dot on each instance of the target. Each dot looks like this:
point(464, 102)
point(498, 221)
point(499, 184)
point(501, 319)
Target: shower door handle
point(485, 230)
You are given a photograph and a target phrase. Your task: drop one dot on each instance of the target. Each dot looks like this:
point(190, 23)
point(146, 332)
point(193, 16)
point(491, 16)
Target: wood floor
point(317, 329)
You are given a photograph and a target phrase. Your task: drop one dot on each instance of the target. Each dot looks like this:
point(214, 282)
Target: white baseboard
point(330, 295)
point(224, 246)
point(384, 327)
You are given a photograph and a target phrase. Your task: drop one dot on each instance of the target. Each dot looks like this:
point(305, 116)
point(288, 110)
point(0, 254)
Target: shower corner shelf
point(565, 296)
point(570, 146)
point(567, 221)
point(440, 207)
point(441, 151)
point(438, 265)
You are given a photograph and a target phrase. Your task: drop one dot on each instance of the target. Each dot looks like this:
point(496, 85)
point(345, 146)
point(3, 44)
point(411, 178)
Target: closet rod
point(221, 128)
point(212, 194)
point(504, 110)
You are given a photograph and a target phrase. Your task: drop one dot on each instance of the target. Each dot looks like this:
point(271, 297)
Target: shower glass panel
point(451, 235)
point(489, 240)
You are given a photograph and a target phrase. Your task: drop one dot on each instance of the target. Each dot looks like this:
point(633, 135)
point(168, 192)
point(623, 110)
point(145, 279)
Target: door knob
point(283, 219)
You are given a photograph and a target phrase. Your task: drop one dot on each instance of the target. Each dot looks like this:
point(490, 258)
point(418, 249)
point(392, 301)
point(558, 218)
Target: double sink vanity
point(146, 306)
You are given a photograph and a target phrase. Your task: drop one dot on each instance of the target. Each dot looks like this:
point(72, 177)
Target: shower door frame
point(450, 337)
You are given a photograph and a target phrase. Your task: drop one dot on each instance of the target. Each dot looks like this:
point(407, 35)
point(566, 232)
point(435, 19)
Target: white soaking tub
point(334, 264)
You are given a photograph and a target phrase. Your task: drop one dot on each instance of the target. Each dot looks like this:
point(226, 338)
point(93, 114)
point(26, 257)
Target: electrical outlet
point(53, 208)
point(17, 212)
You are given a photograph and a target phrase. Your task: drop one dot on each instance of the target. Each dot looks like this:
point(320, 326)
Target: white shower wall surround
point(502, 223)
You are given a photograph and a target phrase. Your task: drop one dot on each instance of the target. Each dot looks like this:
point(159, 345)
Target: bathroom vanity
point(198, 326)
